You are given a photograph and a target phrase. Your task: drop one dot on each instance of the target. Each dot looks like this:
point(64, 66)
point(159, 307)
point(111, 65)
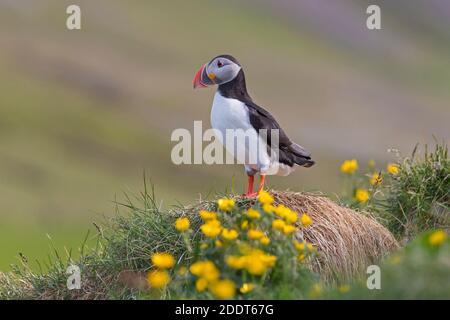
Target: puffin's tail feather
point(301, 156)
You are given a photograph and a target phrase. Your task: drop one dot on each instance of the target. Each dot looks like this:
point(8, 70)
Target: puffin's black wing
point(290, 152)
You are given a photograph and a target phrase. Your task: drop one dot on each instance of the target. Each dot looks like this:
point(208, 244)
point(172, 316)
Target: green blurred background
point(84, 113)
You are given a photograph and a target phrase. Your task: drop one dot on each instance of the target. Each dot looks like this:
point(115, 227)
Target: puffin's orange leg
point(261, 182)
point(250, 193)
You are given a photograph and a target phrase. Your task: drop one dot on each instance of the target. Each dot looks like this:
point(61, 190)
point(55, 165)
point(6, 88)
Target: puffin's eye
point(219, 64)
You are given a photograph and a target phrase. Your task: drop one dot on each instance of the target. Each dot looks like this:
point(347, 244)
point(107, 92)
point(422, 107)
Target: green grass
point(125, 243)
point(36, 242)
point(418, 197)
point(418, 271)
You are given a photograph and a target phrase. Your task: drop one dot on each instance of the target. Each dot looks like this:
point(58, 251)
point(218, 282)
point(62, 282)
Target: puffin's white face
point(218, 71)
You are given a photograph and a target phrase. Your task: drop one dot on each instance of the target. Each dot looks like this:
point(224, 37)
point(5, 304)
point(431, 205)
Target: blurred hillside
point(84, 113)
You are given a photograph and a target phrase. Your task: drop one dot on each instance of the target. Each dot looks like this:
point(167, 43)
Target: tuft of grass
point(418, 197)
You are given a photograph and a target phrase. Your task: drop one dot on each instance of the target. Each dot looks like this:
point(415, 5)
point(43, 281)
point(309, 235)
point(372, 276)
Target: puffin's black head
point(219, 70)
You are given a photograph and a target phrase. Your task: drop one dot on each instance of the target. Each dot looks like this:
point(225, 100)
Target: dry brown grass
point(347, 241)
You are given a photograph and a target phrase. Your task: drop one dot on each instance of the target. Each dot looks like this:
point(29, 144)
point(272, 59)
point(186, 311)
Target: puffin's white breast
point(228, 113)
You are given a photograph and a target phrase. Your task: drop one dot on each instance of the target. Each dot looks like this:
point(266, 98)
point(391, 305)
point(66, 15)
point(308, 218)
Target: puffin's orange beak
point(197, 82)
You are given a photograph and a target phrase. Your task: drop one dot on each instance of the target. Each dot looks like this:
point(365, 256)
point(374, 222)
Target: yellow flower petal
point(226, 204)
point(208, 215)
point(229, 234)
point(349, 166)
point(252, 213)
point(223, 289)
point(201, 284)
point(158, 279)
point(255, 234)
point(288, 229)
point(362, 195)
point(163, 260)
point(265, 198)
point(437, 238)
point(246, 288)
point(264, 240)
point(392, 168)
point(278, 224)
point(182, 224)
point(306, 220)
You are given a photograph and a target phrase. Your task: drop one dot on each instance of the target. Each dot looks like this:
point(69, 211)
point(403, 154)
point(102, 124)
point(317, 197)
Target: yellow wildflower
point(208, 215)
point(205, 269)
point(376, 179)
point(163, 260)
point(203, 246)
point(201, 284)
point(268, 208)
point(361, 195)
point(280, 210)
point(158, 279)
point(244, 225)
point(255, 234)
point(218, 243)
point(306, 220)
point(229, 234)
point(291, 216)
point(344, 288)
point(392, 168)
point(300, 246)
point(226, 204)
point(255, 261)
point(301, 257)
point(286, 213)
point(182, 224)
point(235, 262)
point(311, 247)
point(223, 289)
point(265, 198)
point(278, 224)
point(246, 288)
point(316, 291)
point(349, 166)
point(211, 228)
point(256, 267)
point(288, 229)
point(267, 259)
point(264, 240)
point(252, 213)
point(437, 238)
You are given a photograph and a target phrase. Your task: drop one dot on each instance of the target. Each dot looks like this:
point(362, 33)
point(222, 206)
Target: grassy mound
point(347, 242)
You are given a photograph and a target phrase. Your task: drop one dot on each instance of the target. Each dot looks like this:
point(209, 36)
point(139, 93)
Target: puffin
point(234, 109)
